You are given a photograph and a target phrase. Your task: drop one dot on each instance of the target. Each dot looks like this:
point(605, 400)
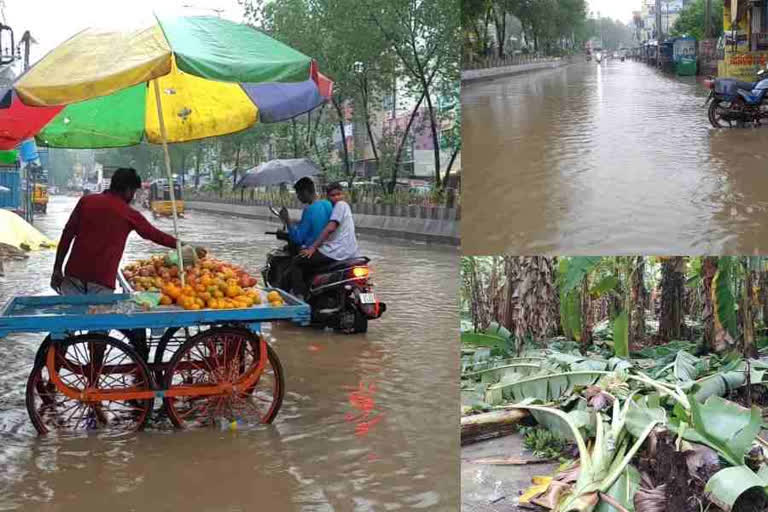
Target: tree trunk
point(433, 126)
point(708, 271)
point(638, 299)
point(586, 316)
point(343, 135)
point(672, 283)
point(747, 309)
point(479, 427)
point(401, 146)
point(764, 295)
point(198, 157)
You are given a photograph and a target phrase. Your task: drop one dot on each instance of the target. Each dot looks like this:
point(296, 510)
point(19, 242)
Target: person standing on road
point(99, 226)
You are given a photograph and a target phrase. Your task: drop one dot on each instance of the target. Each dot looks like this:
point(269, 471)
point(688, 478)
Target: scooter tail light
point(360, 272)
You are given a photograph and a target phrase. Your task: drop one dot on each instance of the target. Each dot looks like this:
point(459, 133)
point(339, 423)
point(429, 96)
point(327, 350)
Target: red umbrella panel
point(19, 121)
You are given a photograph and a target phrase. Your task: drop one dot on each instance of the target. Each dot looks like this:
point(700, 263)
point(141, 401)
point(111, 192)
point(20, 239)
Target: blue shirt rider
point(314, 218)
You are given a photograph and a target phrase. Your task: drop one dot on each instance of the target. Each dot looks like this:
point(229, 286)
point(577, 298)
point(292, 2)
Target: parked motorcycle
point(733, 102)
point(340, 295)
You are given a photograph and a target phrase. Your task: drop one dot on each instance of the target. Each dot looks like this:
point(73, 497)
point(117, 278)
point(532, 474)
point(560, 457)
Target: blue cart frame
point(224, 361)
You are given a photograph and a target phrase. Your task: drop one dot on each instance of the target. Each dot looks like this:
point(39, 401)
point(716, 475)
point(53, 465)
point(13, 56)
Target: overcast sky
point(617, 9)
point(53, 22)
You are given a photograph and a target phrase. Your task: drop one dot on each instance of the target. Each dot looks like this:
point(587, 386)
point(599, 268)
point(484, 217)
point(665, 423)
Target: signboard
point(742, 66)
point(684, 48)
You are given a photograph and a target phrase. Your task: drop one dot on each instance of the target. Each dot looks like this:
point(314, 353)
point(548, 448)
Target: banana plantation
point(641, 380)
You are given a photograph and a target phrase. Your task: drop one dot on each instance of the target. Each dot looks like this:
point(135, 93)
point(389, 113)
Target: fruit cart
point(108, 363)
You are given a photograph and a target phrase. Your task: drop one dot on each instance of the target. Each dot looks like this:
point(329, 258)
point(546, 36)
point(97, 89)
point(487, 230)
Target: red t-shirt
point(100, 225)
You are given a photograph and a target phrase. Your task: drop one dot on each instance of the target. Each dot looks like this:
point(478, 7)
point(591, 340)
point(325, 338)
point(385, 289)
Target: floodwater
point(369, 422)
point(610, 159)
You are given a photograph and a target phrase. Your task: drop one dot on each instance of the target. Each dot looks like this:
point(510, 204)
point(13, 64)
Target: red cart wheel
point(170, 342)
point(223, 357)
point(88, 361)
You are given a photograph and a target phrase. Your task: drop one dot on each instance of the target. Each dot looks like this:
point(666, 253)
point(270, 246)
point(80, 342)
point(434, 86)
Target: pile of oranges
point(209, 284)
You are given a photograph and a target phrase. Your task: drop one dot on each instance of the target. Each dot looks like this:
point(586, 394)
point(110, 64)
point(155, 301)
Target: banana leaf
point(621, 335)
point(623, 491)
point(577, 268)
point(607, 283)
point(684, 367)
point(726, 427)
point(570, 314)
point(722, 383)
point(723, 300)
point(639, 417)
point(546, 388)
point(727, 485)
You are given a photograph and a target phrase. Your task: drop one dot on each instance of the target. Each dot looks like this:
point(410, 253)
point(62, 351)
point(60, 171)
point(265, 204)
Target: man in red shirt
point(99, 226)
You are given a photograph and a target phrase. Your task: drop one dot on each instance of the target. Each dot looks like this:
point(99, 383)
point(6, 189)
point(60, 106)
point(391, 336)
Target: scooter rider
point(336, 242)
point(314, 218)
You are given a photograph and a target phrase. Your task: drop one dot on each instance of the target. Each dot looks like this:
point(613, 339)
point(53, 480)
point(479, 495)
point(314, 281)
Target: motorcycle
point(340, 295)
point(733, 101)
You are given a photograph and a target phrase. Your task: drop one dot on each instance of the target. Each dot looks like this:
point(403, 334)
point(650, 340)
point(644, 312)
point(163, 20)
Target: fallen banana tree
point(617, 412)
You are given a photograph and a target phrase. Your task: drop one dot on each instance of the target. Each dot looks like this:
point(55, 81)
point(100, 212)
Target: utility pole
point(708, 19)
point(659, 36)
point(27, 40)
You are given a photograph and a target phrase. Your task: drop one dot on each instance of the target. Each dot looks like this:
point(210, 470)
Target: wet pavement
point(368, 422)
point(611, 159)
point(492, 487)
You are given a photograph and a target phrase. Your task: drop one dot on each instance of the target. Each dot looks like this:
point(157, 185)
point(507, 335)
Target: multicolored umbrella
point(215, 77)
point(182, 79)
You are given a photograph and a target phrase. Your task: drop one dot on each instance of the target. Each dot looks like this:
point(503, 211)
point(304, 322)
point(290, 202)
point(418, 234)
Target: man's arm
point(328, 231)
point(148, 232)
point(65, 242)
point(299, 231)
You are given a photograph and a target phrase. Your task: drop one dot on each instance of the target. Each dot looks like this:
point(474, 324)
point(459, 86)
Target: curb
point(443, 232)
point(476, 75)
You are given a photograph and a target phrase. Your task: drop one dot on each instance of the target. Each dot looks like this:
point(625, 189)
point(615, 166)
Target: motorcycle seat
point(338, 265)
point(731, 85)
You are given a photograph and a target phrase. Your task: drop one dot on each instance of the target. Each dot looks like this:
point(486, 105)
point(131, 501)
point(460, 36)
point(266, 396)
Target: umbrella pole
point(170, 178)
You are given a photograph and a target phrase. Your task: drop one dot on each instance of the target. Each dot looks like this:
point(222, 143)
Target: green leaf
point(605, 284)
point(546, 388)
point(570, 314)
point(723, 300)
point(722, 383)
point(478, 338)
point(726, 426)
point(578, 268)
point(685, 369)
point(638, 418)
point(623, 490)
point(621, 335)
point(725, 486)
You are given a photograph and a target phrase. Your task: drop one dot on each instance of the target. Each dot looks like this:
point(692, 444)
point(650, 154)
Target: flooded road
point(611, 159)
point(369, 422)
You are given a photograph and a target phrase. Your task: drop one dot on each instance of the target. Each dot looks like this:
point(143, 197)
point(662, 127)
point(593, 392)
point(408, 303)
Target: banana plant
point(611, 452)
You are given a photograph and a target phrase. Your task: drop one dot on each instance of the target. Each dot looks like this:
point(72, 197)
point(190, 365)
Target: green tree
point(692, 20)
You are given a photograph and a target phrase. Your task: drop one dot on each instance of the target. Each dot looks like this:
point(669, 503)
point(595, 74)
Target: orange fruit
point(274, 296)
point(231, 291)
point(166, 300)
point(218, 294)
point(195, 307)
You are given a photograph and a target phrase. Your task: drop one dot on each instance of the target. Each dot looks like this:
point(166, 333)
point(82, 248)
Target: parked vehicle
point(341, 295)
point(734, 103)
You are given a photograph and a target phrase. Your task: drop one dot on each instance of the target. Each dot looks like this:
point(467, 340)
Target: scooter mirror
point(274, 211)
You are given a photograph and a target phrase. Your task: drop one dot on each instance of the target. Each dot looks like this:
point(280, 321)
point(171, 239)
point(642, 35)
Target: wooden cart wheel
point(224, 355)
point(82, 361)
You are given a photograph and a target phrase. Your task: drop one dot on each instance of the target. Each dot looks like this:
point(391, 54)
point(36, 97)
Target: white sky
point(52, 22)
point(620, 10)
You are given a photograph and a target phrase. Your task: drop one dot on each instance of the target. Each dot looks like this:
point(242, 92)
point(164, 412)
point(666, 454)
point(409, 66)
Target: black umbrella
point(276, 172)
